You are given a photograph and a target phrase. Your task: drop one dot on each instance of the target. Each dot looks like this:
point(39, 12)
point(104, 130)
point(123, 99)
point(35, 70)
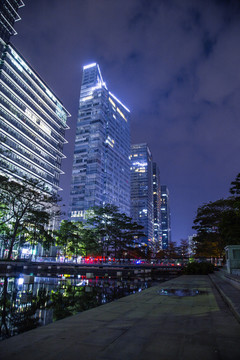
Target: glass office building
point(8, 16)
point(165, 217)
point(156, 208)
point(32, 119)
point(32, 123)
point(101, 166)
point(142, 190)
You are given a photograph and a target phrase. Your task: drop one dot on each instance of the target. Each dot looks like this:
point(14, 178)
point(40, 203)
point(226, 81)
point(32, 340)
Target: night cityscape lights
point(106, 168)
point(101, 168)
point(33, 123)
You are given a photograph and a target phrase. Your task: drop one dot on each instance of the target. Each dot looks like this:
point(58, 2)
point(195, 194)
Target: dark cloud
point(208, 44)
point(174, 63)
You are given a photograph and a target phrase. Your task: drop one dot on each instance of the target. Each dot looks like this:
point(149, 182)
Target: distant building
point(142, 190)
point(101, 166)
point(165, 217)
point(156, 208)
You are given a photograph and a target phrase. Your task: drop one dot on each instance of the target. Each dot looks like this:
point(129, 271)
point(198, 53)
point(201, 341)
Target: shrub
point(202, 268)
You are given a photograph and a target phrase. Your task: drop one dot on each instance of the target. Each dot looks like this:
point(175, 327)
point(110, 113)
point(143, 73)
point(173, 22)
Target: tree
point(209, 239)
point(100, 219)
point(26, 212)
point(66, 237)
point(36, 231)
point(218, 223)
point(161, 254)
point(75, 239)
point(87, 240)
point(70, 300)
point(171, 251)
point(235, 188)
point(184, 248)
point(114, 231)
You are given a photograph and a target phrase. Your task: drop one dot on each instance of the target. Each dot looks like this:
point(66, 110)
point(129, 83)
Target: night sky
point(174, 63)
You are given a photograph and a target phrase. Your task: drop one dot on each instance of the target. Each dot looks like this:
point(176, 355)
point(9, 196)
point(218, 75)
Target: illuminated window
point(112, 102)
point(122, 115)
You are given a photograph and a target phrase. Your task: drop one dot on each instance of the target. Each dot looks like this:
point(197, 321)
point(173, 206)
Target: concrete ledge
point(142, 326)
point(233, 280)
point(236, 272)
point(229, 289)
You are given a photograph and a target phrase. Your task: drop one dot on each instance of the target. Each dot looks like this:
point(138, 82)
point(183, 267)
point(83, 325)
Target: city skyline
point(180, 63)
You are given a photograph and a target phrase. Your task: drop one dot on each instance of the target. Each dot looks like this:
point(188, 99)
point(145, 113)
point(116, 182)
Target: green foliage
point(65, 237)
point(88, 241)
point(104, 230)
point(70, 300)
point(113, 230)
point(26, 210)
point(195, 268)
point(74, 238)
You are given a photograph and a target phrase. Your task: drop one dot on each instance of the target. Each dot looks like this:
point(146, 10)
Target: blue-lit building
point(32, 123)
point(165, 217)
point(32, 119)
point(101, 166)
point(142, 191)
point(8, 16)
point(157, 239)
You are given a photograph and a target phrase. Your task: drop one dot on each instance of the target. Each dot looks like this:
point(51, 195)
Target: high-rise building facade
point(32, 123)
point(142, 190)
point(156, 208)
point(32, 119)
point(101, 166)
point(8, 16)
point(165, 217)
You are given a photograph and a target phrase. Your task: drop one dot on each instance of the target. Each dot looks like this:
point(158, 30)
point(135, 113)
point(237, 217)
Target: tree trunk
point(13, 239)
point(4, 327)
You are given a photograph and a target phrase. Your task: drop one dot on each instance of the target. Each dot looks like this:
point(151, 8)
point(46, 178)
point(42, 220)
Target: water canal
point(28, 301)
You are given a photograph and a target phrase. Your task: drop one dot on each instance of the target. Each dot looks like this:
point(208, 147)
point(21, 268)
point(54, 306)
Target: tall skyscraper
point(142, 190)
point(32, 119)
point(156, 207)
point(32, 123)
point(165, 217)
point(101, 167)
point(8, 16)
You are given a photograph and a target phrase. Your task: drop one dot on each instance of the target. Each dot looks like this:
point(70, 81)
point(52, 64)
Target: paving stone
point(145, 325)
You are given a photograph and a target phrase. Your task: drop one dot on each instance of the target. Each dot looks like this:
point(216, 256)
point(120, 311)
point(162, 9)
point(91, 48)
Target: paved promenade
point(143, 326)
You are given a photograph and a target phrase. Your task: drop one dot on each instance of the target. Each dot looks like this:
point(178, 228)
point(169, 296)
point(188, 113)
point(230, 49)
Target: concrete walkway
point(145, 325)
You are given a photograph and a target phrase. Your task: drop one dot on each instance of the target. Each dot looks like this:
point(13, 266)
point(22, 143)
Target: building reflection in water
point(28, 301)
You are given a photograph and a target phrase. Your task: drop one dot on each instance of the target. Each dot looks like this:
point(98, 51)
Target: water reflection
point(29, 301)
point(181, 292)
